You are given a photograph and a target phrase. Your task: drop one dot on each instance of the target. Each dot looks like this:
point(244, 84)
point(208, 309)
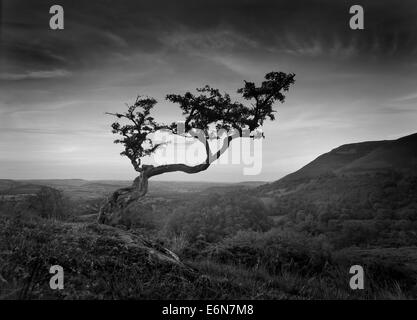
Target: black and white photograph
point(227, 151)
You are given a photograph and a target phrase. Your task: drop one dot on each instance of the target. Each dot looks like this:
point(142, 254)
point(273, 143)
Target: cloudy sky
point(55, 86)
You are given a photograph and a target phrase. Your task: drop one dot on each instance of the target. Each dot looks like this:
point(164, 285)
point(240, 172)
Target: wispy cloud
point(35, 75)
point(52, 131)
point(406, 97)
point(56, 86)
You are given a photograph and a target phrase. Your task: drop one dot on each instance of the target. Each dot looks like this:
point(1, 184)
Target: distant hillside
point(399, 155)
point(6, 184)
point(233, 187)
point(20, 188)
point(369, 188)
point(55, 182)
point(78, 189)
point(358, 158)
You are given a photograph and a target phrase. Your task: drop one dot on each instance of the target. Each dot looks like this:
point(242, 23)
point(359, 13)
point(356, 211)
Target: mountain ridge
point(363, 157)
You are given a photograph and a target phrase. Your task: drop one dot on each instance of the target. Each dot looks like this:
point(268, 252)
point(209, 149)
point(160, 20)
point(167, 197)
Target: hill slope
point(359, 158)
point(361, 193)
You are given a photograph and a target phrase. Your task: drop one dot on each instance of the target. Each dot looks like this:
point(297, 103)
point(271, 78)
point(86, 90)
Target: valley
point(292, 238)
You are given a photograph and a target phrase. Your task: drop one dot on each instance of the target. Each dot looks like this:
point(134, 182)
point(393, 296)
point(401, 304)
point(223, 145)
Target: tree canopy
point(203, 111)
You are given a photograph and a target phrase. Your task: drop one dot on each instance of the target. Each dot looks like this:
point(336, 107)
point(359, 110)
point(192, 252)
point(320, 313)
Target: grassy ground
point(108, 263)
point(97, 263)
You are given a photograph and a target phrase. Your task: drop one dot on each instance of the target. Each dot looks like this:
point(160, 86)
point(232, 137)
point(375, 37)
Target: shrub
point(213, 218)
point(276, 251)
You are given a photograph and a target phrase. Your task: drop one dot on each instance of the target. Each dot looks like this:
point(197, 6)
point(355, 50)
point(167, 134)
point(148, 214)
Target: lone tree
point(203, 111)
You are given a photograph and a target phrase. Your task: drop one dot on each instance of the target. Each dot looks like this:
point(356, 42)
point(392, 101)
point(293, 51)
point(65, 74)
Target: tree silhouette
point(203, 111)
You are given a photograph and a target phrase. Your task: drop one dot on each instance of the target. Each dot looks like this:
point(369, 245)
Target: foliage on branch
point(204, 110)
point(135, 134)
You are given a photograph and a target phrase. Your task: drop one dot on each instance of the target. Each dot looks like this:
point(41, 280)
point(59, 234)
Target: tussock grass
point(107, 263)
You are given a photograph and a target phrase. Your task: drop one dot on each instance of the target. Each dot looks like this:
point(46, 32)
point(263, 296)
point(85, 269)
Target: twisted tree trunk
point(113, 210)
